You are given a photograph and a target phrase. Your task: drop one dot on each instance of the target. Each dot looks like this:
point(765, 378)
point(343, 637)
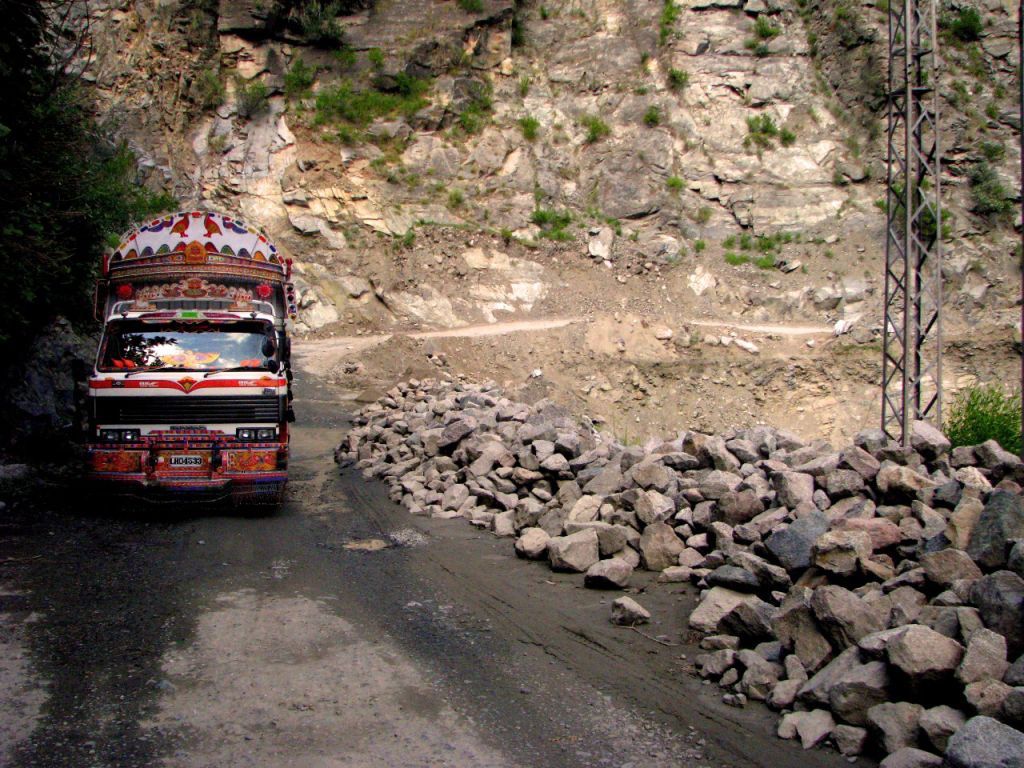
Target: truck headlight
point(110, 435)
point(245, 434)
point(266, 434)
point(131, 435)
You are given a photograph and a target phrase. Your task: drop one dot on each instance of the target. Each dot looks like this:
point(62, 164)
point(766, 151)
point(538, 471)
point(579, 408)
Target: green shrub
point(597, 128)
point(736, 259)
point(674, 183)
point(652, 117)
point(993, 151)
point(966, 26)
point(787, 137)
point(476, 114)
point(376, 58)
point(471, 6)
point(667, 21)
point(761, 131)
point(299, 79)
point(524, 86)
point(729, 242)
point(208, 90)
point(456, 198)
point(990, 197)
point(678, 79)
point(764, 29)
point(529, 125)
point(699, 245)
point(703, 215)
point(765, 262)
point(318, 22)
point(552, 223)
point(985, 413)
point(344, 103)
point(251, 97)
point(745, 242)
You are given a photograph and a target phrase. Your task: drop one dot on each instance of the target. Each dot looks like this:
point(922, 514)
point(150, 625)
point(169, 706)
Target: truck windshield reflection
point(129, 345)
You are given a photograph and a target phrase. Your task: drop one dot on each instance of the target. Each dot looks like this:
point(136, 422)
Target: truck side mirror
point(269, 346)
point(273, 366)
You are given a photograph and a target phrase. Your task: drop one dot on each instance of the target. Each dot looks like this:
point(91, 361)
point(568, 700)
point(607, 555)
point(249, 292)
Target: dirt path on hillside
point(320, 355)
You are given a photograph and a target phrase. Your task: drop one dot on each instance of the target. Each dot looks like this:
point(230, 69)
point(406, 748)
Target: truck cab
point(190, 395)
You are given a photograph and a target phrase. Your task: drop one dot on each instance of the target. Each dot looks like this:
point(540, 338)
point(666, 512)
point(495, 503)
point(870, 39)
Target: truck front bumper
point(190, 473)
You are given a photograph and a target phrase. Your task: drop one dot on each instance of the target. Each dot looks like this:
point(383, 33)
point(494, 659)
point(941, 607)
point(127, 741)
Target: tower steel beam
point(912, 329)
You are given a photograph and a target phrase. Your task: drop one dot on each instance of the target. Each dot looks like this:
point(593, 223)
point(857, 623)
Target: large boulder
point(844, 617)
point(999, 598)
point(796, 628)
point(575, 552)
point(717, 602)
point(1001, 521)
point(985, 657)
point(659, 547)
point(793, 489)
point(939, 723)
point(949, 565)
point(895, 724)
point(533, 543)
point(840, 552)
point(612, 573)
point(985, 743)
point(628, 612)
point(861, 688)
point(928, 441)
point(792, 546)
point(924, 655)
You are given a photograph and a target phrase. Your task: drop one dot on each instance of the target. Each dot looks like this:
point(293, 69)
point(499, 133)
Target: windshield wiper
point(235, 369)
point(154, 370)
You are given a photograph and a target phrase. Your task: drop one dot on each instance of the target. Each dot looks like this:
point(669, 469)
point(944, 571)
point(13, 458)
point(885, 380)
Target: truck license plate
point(184, 460)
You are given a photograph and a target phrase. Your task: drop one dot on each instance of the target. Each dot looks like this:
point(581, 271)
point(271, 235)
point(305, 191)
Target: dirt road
point(339, 631)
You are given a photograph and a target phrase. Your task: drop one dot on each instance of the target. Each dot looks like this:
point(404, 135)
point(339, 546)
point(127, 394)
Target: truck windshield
point(129, 344)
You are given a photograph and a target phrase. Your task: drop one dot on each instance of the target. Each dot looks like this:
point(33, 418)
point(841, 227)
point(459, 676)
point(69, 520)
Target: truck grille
point(186, 411)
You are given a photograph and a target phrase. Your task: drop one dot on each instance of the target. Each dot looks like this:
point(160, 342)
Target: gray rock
point(737, 507)
point(715, 664)
point(843, 482)
point(608, 481)
point(928, 441)
point(783, 694)
point(792, 546)
point(843, 617)
point(455, 432)
point(1015, 560)
point(733, 578)
point(1014, 675)
point(984, 658)
point(911, 757)
point(659, 547)
point(718, 483)
point(793, 488)
point(992, 456)
point(987, 697)
point(985, 743)
point(849, 739)
point(716, 603)
point(947, 565)
point(532, 543)
point(612, 573)
point(817, 690)
point(999, 598)
point(769, 577)
point(860, 461)
point(1013, 708)
point(896, 479)
point(923, 654)
point(576, 552)
point(812, 727)
point(1001, 521)
point(796, 628)
point(939, 723)
point(895, 724)
point(840, 552)
point(653, 507)
point(861, 688)
point(750, 621)
point(628, 612)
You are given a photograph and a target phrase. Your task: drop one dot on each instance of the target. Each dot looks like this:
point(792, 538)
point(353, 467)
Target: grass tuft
point(985, 413)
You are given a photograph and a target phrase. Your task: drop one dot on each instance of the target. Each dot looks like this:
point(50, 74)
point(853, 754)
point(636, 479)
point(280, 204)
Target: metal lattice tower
point(912, 334)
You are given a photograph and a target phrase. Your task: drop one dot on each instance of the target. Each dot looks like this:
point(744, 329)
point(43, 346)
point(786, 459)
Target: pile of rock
point(874, 595)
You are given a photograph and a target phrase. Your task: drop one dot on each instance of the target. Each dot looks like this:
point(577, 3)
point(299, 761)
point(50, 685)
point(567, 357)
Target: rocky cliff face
point(441, 163)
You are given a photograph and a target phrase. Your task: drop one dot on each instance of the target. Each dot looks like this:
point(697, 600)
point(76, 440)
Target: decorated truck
point(190, 395)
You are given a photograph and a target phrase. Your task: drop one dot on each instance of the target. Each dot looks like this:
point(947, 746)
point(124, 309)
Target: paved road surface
point(339, 631)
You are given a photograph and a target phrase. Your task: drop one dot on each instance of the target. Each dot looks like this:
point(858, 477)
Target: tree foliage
point(65, 186)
